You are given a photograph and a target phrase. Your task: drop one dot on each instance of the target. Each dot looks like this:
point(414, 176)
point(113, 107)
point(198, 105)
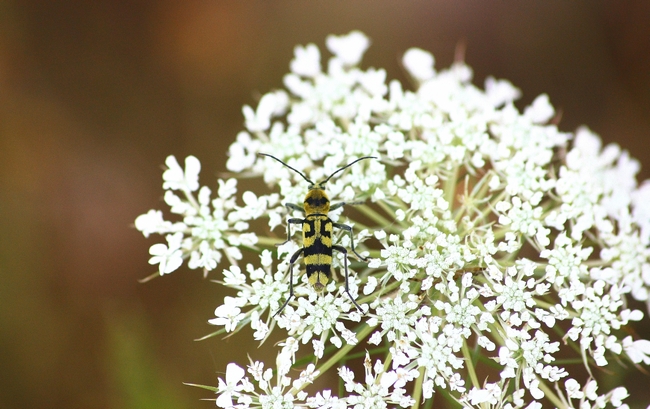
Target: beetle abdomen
point(317, 241)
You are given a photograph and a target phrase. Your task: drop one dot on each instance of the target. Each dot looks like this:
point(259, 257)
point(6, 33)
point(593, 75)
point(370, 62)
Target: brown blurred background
point(95, 94)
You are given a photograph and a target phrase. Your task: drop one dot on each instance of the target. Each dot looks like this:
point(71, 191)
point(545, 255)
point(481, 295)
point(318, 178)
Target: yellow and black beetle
point(317, 227)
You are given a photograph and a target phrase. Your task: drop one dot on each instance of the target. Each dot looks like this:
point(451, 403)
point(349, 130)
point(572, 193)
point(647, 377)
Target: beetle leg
point(349, 230)
point(293, 206)
point(341, 204)
point(289, 223)
point(341, 249)
point(291, 263)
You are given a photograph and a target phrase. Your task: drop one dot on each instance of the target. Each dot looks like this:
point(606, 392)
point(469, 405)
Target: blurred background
point(95, 94)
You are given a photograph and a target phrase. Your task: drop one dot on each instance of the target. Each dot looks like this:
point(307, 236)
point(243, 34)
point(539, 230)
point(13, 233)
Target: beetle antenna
point(345, 167)
point(295, 170)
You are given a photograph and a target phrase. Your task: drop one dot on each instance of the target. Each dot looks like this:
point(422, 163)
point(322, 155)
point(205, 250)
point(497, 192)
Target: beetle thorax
point(316, 201)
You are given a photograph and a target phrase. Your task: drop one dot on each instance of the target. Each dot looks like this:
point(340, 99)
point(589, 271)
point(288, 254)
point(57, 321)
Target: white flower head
point(348, 48)
point(231, 386)
point(169, 257)
point(178, 179)
point(638, 351)
point(306, 61)
point(541, 110)
point(500, 92)
point(419, 63)
point(152, 222)
point(476, 238)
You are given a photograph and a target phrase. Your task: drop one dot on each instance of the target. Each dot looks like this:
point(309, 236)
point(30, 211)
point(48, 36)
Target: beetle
point(317, 247)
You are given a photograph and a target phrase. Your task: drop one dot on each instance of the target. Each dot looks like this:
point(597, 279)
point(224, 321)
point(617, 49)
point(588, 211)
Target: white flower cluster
point(209, 227)
point(497, 243)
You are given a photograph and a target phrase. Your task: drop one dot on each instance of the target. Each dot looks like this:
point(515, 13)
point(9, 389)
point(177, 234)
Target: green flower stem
point(450, 186)
point(489, 208)
point(268, 241)
point(190, 198)
point(550, 395)
point(417, 388)
point(565, 362)
point(340, 355)
point(389, 359)
point(470, 365)
point(386, 290)
point(481, 188)
point(376, 217)
point(472, 202)
point(597, 263)
point(389, 206)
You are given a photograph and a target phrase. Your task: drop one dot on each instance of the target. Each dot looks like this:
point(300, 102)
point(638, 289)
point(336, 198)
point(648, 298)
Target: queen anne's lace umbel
point(497, 242)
